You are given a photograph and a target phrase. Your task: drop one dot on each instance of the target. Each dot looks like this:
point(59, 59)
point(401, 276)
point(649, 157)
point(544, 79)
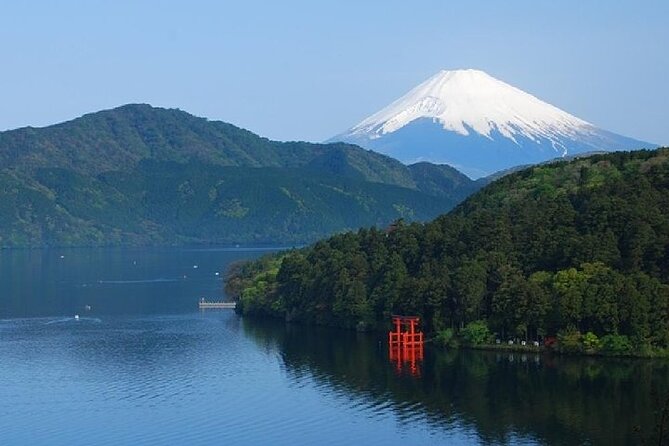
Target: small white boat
point(76, 317)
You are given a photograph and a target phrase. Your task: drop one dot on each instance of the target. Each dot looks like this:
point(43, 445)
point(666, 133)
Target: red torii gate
point(405, 343)
point(410, 336)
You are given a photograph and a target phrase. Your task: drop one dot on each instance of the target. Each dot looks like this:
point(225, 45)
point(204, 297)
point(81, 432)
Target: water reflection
point(143, 366)
point(406, 358)
point(505, 397)
point(405, 345)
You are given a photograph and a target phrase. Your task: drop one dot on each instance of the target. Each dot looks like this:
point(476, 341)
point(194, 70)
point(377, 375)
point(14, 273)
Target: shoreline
point(516, 348)
point(661, 354)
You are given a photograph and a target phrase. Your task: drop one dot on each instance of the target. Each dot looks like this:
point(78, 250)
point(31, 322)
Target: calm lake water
point(144, 366)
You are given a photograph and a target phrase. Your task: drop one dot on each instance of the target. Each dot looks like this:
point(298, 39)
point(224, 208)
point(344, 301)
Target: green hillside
point(578, 249)
point(144, 175)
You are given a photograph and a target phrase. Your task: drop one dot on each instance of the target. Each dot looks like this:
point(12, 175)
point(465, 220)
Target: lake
point(142, 365)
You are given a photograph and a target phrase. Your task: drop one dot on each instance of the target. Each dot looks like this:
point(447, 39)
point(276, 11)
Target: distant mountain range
point(143, 175)
point(479, 125)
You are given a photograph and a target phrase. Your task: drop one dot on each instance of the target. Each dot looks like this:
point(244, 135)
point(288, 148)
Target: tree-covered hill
point(143, 175)
point(120, 138)
point(578, 248)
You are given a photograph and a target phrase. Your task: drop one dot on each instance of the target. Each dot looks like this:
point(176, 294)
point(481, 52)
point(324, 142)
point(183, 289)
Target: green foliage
point(566, 248)
point(446, 338)
point(570, 340)
point(253, 284)
point(591, 342)
point(143, 175)
point(616, 344)
point(476, 333)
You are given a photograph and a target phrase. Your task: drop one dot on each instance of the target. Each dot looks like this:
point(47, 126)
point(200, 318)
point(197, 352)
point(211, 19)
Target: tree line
point(578, 250)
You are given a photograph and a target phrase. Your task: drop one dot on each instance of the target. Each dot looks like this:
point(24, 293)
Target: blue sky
point(310, 69)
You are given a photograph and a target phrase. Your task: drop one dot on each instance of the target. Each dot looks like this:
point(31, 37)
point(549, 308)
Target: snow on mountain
point(479, 125)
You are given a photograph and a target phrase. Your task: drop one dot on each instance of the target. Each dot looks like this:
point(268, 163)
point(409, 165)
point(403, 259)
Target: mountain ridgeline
point(571, 248)
point(143, 175)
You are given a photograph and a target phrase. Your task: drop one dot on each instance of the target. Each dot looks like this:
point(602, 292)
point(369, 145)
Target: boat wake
point(125, 282)
point(75, 318)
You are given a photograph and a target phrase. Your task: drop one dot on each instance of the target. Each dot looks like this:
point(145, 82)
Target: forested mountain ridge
point(118, 139)
point(144, 175)
point(569, 248)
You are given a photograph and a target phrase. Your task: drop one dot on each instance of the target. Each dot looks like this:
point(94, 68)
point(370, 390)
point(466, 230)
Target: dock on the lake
point(203, 304)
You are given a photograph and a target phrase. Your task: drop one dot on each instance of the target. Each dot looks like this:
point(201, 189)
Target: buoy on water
point(76, 317)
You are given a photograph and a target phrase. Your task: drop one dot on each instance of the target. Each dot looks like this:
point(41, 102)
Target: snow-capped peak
point(479, 125)
point(464, 100)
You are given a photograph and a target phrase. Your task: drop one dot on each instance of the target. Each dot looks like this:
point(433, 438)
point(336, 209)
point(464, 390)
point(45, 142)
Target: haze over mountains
point(143, 175)
point(479, 125)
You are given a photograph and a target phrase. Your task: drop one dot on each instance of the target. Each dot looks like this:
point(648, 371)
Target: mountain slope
point(443, 180)
point(558, 248)
point(144, 175)
point(479, 125)
point(122, 137)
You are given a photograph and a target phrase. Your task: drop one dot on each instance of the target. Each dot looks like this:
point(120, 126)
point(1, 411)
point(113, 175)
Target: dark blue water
point(144, 366)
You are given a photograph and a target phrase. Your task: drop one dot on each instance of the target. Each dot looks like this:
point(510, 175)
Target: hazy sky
point(310, 69)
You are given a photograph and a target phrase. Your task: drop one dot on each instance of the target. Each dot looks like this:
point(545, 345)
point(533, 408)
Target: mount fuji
point(479, 125)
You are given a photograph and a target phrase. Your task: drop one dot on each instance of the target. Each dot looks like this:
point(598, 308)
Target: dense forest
point(577, 250)
point(143, 175)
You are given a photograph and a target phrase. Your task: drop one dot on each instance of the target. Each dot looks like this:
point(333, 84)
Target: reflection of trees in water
point(558, 400)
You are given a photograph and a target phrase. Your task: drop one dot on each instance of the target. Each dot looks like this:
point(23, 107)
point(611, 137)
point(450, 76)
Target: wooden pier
point(203, 305)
